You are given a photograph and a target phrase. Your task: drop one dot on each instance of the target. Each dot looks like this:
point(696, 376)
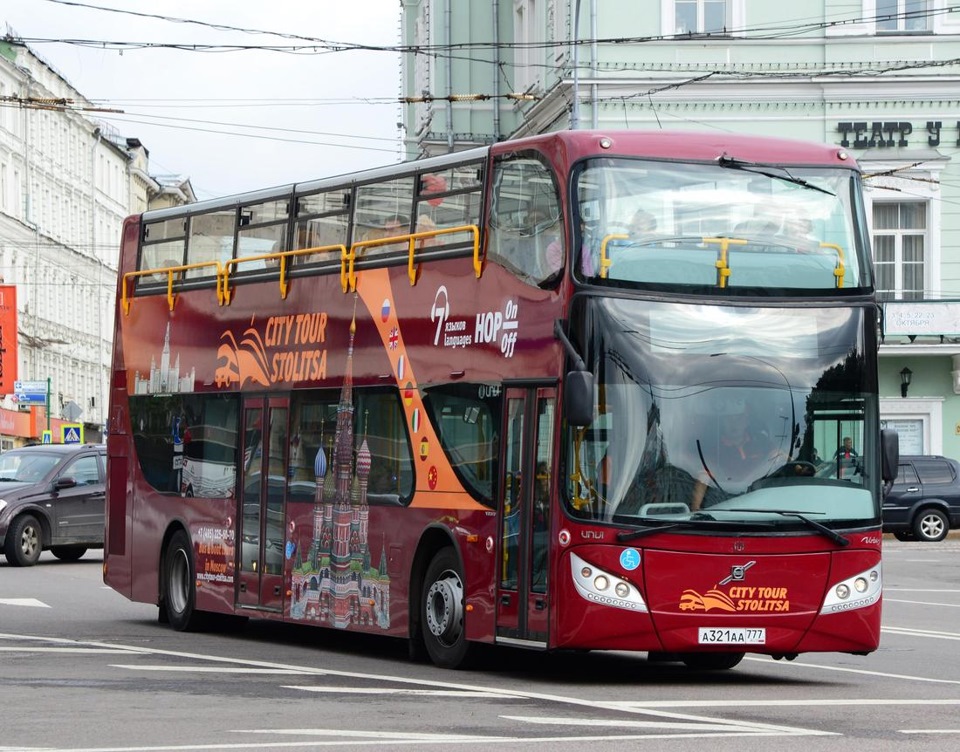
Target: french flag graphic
point(401, 366)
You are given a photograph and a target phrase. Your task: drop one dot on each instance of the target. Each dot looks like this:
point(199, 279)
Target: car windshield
point(23, 467)
point(725, 225)
point(725, 415)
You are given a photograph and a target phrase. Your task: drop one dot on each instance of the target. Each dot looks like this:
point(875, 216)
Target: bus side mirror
point(889, 454)
point(578, 398)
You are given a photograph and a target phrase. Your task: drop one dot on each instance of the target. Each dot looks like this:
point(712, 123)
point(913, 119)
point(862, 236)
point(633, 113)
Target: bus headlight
point(593, 584)
point(861, 590)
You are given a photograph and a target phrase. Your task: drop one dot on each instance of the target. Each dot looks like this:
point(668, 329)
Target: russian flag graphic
point(385, 310)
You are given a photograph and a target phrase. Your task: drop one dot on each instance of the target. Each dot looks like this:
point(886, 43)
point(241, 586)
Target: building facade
point(879, 77)
point(66, 184)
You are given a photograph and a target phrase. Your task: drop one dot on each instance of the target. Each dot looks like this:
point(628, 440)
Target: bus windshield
point(729, 225)
point(735, 415)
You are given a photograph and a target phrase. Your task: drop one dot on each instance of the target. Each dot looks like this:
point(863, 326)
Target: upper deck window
point(720, 228)
point(526, 230)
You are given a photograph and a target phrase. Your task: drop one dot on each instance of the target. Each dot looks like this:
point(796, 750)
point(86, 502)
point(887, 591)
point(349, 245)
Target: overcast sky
point(313, 115)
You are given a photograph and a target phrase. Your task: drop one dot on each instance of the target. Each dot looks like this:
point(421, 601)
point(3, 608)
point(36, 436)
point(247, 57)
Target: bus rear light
point(861, 590)
point(593, 584)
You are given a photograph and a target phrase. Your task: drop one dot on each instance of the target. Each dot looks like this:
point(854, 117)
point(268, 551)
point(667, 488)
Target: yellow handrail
point(723, 264)
point(840, 269)
point(411, 240)
point(279, 256)
point(170, 271)
point(605, 261)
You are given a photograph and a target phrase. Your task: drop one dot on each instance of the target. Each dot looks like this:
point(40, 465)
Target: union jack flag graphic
point(394, 339)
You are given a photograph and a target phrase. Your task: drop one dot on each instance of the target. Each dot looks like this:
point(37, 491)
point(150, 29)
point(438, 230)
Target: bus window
point(525, 220)
point(466, 417)
point(449, 198)
point(262, 229)
point(378, 423)
point(164, 243)
point(383, 210)
point(211, 239)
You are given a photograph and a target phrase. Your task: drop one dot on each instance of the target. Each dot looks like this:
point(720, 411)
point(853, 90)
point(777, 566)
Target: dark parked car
point(51, 498)
point(924, 502)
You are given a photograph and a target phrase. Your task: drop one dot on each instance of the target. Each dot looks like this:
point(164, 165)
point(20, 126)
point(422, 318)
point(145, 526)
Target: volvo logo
point(738, 573)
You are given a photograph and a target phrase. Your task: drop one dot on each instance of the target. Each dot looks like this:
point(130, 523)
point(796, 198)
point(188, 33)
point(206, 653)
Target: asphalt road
point(82, 669)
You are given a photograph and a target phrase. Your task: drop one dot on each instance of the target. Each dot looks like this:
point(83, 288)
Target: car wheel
point(712, 661)
point(24, 542)
point(931, 525)
point(68, 553)
point(903, 535)
point(179, 589)
point(442, 612)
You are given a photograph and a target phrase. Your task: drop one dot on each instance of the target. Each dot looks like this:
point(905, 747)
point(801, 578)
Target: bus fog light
point(860, 585)
point(586, 572)
point(843, 591)
point(874, 575)
point(601, 583)
point(622, 589)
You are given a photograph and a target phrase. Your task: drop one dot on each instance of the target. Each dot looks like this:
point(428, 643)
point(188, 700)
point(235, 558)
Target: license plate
point(732, 636)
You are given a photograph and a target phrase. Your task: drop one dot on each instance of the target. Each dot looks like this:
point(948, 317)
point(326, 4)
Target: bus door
point(525, 485)
point(262, 487)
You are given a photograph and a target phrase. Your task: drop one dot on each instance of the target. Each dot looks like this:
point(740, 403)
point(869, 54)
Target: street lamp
point(906, 375)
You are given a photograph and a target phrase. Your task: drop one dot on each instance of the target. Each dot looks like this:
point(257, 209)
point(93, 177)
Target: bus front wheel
point(442, 612)
point(179, 590)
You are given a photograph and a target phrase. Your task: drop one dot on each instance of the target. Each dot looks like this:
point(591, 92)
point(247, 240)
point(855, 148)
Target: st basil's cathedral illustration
point(334, 582)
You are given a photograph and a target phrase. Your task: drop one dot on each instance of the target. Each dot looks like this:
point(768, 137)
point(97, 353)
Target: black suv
point(924, 502)
point(51, 497)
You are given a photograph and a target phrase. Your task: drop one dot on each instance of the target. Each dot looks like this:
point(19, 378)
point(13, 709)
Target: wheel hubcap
point(932, 527)
point(29, 541)
point(445, 608)
point(179, 584)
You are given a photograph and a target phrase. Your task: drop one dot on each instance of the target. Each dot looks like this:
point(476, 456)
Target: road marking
point(772, 703)
point(80, 650)
point(921, 633)
point(717, 725)
point(862, 672)
point(930, 731)
point(921, 603)
point(216, 669)
point(395, 691)
point(31, 602)
point(731, 728)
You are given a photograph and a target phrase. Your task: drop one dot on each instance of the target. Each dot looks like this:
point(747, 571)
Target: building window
point(903, 16)
point(899, 249)
point(700, 16)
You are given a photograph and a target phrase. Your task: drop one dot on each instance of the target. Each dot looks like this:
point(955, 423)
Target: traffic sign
point(30, 386)
point(71, 433)
point(31, 397)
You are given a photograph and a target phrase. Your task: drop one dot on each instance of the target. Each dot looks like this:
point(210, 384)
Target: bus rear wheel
point(68, 553)
point(712, 661)
point(442, 612)
point(179, 588)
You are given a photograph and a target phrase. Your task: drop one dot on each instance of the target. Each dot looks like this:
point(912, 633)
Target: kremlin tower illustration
point(333, 581)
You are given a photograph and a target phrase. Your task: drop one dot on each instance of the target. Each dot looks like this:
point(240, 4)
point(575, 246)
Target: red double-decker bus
point(582, 390)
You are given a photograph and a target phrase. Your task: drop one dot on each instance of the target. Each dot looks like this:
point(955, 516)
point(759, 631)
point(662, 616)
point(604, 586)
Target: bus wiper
point(645, 531)
point(820, 528)
point(699, 520)
point(738, 164)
